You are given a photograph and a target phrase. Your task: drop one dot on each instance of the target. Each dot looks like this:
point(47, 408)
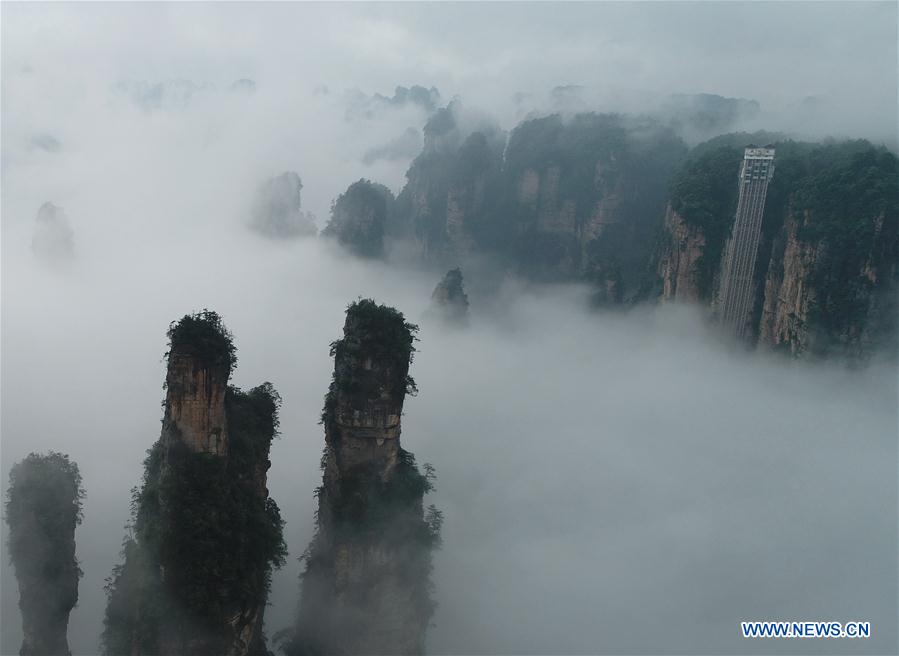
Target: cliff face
point(565, 199)
point(452, 187)
point(806, 311)
point(678, 265)
point(206, 536)
point(195, 402)
point(42, 510)
point(787, 292)
point(826, 272)
point(366, 584)
point(589, 192)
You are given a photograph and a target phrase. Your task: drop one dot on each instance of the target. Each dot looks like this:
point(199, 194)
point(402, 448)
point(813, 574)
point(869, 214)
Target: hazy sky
point(65, 58)
point(774, 52)
point(614, 483)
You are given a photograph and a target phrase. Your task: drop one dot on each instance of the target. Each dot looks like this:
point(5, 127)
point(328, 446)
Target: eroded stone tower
point(366, 584)
point(206, 536)
point(42, 510)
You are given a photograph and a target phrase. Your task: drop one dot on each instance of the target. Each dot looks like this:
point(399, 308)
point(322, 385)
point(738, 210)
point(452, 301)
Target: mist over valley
point(544, 224)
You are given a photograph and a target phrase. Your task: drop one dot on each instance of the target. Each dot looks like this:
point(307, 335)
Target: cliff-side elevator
point(736, 295)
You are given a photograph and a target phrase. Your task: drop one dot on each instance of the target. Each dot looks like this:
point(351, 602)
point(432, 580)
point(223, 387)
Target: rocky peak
point(371, 378)
point(359, 218)
point(365, 588)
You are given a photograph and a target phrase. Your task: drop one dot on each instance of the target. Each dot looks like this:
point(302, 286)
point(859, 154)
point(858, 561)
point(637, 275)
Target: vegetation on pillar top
point(378, 333)
point(204, 335)
point(43, 507)
point(379, 602)
point(359, 218)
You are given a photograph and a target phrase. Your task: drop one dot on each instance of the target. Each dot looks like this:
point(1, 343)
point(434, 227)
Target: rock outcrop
point(449, 301)
point(678, 266)
point(276, 209)
point(366, 584)
point(819, 299)
point(206, 536)
point(828, 262)
point(42, 510)
point(447, 208)
point(575, 198)
point(359, 218)
point(588, 192)
point(787, 293)
point(53, 239)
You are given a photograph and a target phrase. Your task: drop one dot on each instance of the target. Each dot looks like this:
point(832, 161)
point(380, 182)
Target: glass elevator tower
point(742, 248)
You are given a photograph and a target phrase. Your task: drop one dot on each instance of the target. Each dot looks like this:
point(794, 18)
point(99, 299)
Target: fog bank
point(611, 483)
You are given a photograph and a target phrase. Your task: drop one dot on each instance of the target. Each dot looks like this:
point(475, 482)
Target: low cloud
point(402, 147)
point(611, 483)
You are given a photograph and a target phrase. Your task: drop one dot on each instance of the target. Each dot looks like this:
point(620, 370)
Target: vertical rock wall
point(195, 402)
point(677, 266)
point(825, 279)
point(787, 293)
point(799, 310)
